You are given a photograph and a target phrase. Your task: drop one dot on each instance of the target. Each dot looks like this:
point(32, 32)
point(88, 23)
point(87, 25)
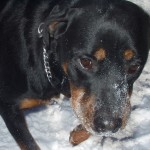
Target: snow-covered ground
point(51, 125)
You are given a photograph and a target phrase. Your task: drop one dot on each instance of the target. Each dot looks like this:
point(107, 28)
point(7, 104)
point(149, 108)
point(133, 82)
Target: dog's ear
point(57, 28)
point(60, 19)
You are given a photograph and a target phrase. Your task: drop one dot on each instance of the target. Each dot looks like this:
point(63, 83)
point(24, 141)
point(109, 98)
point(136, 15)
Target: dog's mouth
point(96, 117)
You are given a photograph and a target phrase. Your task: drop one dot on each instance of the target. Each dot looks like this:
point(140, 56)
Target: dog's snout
point(107, 124)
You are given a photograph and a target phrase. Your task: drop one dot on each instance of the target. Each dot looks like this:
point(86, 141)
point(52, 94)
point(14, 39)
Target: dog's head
point(102, 47)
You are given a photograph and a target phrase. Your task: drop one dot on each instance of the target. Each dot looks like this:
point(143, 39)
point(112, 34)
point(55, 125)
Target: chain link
point(47, 65)
point(45, 55)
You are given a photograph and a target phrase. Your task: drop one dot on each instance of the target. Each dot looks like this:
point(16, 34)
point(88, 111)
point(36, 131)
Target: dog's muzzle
point(112, 109)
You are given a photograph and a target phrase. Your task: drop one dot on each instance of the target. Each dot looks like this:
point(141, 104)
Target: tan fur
point(83, 105)
point(126, 113)
point(78, 135)
point(30, 103)
point(53, 26)
point(65, 67)
point(128, 54)
point(100, 54)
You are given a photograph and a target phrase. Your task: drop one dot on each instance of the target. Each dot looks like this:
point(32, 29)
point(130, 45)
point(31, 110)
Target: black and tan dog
point(89, 50)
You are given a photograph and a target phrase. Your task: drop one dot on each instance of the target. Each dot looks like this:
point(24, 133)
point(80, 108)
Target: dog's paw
point(78, 135)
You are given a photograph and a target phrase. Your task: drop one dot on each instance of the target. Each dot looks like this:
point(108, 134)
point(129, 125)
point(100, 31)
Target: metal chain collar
point(47, 67)
point(45, 55)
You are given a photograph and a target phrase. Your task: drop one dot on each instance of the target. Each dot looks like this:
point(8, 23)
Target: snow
point(51, 125)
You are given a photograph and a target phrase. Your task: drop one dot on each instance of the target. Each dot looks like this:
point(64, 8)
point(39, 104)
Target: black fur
point(81, 27)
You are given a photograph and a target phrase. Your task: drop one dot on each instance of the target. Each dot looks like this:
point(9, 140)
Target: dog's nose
point(107, 124)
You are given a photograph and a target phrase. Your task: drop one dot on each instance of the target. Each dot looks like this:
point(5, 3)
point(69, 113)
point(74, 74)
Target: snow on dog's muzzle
point(104, 112)
point(112, 108)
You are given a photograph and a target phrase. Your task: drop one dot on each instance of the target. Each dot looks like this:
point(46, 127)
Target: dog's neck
point(60, 83)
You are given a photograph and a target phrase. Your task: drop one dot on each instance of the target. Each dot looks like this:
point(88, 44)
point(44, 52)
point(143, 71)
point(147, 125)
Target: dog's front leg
point(16, 124)
point(78, 135)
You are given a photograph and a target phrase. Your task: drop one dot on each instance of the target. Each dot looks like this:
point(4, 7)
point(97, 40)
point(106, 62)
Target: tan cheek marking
point(128, 54)
point(83, 105)
point(100, 54)
point(126, 115)
point(30, 103)
point(65, 67)
point(127, 110)
point(76, 95)
point(88, 107)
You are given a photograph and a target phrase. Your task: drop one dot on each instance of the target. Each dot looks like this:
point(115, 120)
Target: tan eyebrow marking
point(100, 54)
point(128, 54)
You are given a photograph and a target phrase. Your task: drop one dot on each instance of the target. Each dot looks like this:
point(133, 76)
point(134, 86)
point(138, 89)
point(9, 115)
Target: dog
point(91, 51)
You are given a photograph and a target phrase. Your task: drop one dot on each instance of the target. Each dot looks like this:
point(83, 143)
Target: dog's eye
point(133, 69)
point(86, 63)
